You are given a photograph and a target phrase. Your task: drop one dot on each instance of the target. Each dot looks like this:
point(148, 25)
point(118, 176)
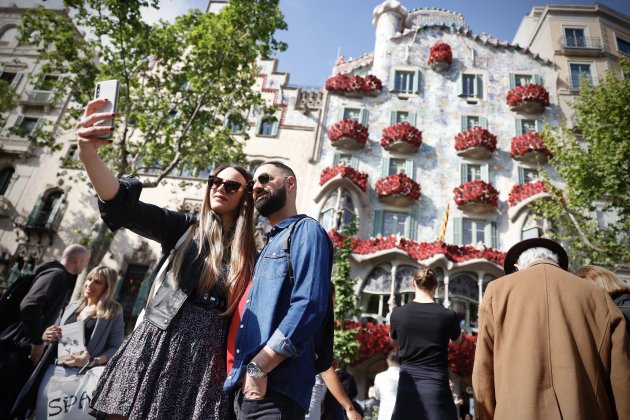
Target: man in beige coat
point(551, 345)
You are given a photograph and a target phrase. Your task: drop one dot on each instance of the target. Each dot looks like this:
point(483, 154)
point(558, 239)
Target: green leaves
point(178, 81)
point(593, 215)
point(346, 348)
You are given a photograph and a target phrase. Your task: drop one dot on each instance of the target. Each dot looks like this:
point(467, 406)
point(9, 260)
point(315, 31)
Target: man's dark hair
point(393, 357)
point(287, 171)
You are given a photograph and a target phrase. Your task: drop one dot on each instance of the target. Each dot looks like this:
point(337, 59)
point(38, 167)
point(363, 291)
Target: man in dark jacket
point(21, 344)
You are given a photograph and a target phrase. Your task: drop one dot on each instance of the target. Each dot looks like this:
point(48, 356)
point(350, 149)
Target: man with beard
point(271, 366)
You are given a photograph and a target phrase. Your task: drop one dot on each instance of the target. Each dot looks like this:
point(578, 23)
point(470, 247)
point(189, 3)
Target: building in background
point(583, 41)
point(431, 142)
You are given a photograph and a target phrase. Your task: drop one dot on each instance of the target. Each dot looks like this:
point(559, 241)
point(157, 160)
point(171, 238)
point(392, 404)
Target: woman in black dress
point(422, 329)
point(173, 364)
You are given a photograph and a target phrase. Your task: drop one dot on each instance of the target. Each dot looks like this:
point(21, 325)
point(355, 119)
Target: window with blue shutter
point(458, 231)
point(491, 235)
point(377, 229)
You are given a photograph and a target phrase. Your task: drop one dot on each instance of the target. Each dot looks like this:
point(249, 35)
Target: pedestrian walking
point(21, 344)
point(173, 364)
point(613, 285)
point(550, 344)
point(274, 367)
point(104, 331)
point(386, 386)
point(422, 329)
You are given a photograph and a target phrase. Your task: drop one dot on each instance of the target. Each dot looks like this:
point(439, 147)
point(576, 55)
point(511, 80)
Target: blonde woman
point(104, 331)
point(173, 364)
point(613, 285)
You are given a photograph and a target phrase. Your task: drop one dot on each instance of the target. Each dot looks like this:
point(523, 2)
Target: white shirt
point(385, 388)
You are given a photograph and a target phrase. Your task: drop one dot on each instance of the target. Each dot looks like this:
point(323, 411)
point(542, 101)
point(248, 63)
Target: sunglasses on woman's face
point(263, 179)
point(229, 185)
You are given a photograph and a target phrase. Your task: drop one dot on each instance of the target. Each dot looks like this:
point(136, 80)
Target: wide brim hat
point(512, 255)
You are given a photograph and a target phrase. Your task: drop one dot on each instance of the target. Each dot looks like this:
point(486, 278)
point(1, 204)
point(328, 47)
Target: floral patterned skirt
point(173, 374)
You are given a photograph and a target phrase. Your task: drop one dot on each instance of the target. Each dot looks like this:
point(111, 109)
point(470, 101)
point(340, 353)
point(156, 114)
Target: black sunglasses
point(263, 179)
point(230, 186)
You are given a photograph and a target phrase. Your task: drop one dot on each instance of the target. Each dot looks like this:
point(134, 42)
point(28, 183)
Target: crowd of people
point(228, 333)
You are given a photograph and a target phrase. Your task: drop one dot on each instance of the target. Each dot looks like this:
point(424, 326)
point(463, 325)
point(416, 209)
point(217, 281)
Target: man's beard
point(272, 202)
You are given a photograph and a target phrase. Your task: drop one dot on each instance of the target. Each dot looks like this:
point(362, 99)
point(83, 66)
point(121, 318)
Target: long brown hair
point(106, 307)
point(236, 246)
point(604, 278)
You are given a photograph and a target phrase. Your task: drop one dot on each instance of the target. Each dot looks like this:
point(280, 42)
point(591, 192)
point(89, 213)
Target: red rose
point(476, 136)
point(440, 52)
point(528, 142)
point(476, 192)
point(527, 93)
point(348, 128)
point(356, 177)
point(402, 131)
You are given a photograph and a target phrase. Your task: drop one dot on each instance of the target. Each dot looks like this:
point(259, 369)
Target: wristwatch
point(254, 371)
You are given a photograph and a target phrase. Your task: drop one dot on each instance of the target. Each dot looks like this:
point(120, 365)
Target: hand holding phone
point(107, 89)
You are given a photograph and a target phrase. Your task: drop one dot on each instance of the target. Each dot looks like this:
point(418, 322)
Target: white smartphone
point(106, 89)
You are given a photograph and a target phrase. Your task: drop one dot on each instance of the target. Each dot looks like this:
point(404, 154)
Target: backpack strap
point(287, 247)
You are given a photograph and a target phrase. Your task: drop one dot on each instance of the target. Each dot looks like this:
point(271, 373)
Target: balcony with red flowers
point(529, 148)
point(524, 191)
point(348, 134)
point(401, 138)
point(398, 190)
point(353, 85)
point(440, 56)
point(476, 143)
point(528, 99)
point(355, 176)
point(476, 197)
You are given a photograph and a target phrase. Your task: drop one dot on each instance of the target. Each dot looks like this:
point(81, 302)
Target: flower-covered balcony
point(398, 190)
point(530, 148)
point(521, 192)
point(355, 176)
point(353, 85)
point(348, 134)
point(476, 197)
point(476, 143)
point(528, 99)
point(440, 56)
point(401, 138)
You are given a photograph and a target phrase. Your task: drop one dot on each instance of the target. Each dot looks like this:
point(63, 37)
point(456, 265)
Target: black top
point(423, 331)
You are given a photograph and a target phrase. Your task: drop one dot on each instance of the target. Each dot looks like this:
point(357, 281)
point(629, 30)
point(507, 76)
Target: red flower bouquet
point(440, 52)
point(350, 129)
point(476, 137)
point(476, 192)
point(522, 191)
point(462, 356)
point(419, 250)
point(351, 83)
point(374, 339)
point(402, 132)
point(529, 142)
point(530, 93)
point(358, 178)
point(398, 185)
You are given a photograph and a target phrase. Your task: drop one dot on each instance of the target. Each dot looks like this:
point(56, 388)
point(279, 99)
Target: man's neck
point(280, 215)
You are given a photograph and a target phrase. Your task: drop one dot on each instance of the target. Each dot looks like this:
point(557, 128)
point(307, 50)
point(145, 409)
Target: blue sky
point(318, 29)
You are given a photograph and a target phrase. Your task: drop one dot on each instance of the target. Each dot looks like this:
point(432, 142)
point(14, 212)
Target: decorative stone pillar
point(447, 301)
point(480, 286)
point(392, 291)
point(389, 19)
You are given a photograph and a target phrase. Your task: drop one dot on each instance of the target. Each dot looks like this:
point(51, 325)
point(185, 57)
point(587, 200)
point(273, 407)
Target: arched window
point(375, 294)
point(338, 210)
point(8, 34)
point(404, 288)
point(5, 179)
point(463, 292)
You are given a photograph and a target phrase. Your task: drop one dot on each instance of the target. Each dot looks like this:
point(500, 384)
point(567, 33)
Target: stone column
point(447, 301)
point(389, 19)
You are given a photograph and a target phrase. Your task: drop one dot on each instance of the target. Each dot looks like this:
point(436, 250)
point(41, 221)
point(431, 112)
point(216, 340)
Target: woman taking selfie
point(173, 364)
point(104, 331)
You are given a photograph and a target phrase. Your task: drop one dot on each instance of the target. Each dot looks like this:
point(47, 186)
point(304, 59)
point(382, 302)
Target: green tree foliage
point(8, 98)
point(346, 348)
point(595, 166)
point(181, 83)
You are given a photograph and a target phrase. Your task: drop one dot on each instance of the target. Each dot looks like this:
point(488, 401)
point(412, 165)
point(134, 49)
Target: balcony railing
point(38, 97)
point(583, 44)
point(16, 145)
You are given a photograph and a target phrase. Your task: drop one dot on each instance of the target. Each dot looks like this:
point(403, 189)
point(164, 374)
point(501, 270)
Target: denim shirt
point(283, 316)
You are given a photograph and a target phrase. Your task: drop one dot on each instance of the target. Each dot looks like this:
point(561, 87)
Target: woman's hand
point(78, 360)
point(353, 414)
point(52, 334)
point(86, 130)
